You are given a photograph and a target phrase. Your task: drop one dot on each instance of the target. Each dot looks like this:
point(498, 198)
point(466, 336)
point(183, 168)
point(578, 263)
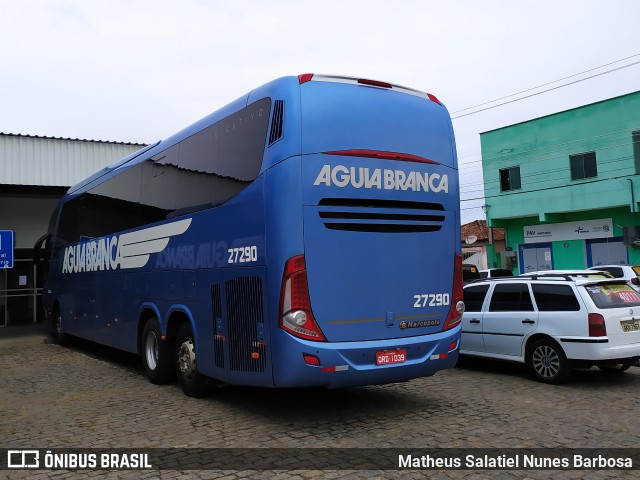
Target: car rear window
point(636, 270)
point(501, 272)
point(555, 298)
point(615, 271)
point(613, 295)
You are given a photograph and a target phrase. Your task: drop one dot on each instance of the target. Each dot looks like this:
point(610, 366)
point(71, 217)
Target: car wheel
point(156, 354)
point(547, 362)
point(193, 383)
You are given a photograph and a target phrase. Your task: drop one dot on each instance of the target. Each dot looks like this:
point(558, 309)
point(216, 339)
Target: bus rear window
point(613, 295)
point(363, 118)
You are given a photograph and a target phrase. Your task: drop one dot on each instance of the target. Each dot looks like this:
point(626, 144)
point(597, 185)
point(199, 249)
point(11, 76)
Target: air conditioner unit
point(631, 235)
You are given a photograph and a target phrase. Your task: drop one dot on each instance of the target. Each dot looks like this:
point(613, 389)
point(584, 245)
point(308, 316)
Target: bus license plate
point(630, 325)
point(388, 357)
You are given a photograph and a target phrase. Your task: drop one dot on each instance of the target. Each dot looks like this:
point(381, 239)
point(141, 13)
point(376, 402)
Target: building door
point(535, 257)
point(606, 251)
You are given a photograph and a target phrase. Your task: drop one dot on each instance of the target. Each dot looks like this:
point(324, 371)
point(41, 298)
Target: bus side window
point(158, 186)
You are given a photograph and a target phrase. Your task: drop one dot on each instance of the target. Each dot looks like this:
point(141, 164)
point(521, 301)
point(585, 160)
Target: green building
point(566, 187)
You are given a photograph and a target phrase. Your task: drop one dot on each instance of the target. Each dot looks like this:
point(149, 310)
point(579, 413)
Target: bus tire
point(193, 383)
point(156, 354)
point(60, 337)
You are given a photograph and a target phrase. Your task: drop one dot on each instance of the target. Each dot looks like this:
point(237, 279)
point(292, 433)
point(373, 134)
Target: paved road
point(88, 396)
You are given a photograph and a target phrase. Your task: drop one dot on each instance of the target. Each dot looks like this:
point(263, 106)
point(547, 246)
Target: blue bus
point(306, 234)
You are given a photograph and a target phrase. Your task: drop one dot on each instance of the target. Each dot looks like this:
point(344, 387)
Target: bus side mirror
point(37, 248)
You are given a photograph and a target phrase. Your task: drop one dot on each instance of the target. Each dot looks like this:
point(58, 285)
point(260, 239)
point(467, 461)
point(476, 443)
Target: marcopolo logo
point(382, 179)
point(129, 250)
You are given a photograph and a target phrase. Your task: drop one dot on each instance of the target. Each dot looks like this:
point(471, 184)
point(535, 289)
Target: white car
point(553, 323)
point(629, 272)
point(496, 272)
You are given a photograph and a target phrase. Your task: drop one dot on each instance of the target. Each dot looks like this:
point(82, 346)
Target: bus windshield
point(374, 118)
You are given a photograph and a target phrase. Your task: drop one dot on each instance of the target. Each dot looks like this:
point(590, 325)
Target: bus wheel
point(156, 354)
point(61, 338)
point(193, 383)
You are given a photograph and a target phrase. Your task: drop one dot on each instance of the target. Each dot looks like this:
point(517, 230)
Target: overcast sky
point(138, 71)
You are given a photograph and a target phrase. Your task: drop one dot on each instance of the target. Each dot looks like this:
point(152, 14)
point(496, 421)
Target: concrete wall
point(28, 217)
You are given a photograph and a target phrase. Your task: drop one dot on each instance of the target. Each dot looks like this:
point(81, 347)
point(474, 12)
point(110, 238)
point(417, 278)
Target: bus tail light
point(374, 83)
point(434, 99)
point(457, 305)
point(305, 77)
point(295, 306)
point(597, 327)
point(405, 157)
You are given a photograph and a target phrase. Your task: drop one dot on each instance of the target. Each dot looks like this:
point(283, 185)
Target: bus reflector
point(457, 305)
point(336, 368)
point(374, 83)
point(295, 306)
point(405, 157)
point(311, 359)
point(305, 77)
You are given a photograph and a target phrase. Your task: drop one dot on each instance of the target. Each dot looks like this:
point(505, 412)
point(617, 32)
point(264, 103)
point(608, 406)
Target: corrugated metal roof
point(54, 161)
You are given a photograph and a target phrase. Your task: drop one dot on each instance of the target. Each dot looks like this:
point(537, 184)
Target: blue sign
point(6, 248)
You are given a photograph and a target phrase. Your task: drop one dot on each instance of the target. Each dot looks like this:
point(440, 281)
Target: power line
point(540, 150)
point(607, 162)
point(545, 84)
point(544, 189)
point(544, 91)
point(552, 155)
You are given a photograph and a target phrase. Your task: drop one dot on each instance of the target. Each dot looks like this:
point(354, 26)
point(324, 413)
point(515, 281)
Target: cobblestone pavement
point(90, 397)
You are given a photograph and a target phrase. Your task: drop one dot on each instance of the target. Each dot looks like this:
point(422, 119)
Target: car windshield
point(501, 272)
point(470, 272)
point(613, 295)
point(636, 270)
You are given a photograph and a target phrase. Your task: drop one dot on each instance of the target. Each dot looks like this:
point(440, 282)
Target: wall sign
point(6, 248)
point(553, 232)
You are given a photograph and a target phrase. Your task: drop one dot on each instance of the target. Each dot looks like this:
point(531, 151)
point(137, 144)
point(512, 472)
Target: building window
point(509, 179)
point(583, 165)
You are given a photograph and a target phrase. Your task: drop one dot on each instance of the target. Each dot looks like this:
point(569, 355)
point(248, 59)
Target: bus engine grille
point(218, 338)
point(381, 216)
point(247, 352)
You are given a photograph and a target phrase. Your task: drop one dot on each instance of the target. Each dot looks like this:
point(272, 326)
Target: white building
point(35, 172)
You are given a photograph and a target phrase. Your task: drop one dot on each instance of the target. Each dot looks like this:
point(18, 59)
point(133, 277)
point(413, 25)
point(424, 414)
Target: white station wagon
point(553, 323)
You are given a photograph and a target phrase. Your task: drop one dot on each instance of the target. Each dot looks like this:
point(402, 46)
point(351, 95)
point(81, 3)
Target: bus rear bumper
point(346, 364)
